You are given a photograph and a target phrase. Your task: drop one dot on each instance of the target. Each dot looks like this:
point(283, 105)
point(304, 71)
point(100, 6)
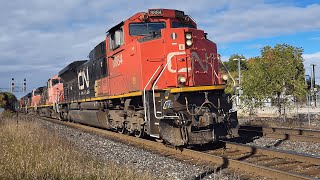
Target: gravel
point(134, 158)
point(308, 148)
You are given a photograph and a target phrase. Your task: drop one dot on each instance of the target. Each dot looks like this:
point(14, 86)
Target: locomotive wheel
point(159, 140)
point(121, 130)
point(139, 133)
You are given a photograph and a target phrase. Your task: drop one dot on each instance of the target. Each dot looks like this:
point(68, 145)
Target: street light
point(239, 69)
point(239, 78)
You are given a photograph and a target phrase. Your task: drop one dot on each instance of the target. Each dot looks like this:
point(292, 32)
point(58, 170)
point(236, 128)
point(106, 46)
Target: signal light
point(12, 85)
point(24, 85)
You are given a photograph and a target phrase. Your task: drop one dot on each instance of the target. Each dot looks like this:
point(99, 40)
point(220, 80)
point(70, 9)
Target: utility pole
point(313, 84)
point(239, 78)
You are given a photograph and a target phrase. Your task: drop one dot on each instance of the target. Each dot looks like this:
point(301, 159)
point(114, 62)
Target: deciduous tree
point(277, 73)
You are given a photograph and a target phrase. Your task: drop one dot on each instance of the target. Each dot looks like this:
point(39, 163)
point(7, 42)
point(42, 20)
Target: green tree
point(232, 66)
point(7, 100)
point(277, 73)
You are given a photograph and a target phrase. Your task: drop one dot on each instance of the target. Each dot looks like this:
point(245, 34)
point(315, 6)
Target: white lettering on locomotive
point(204, 65)
point(194, 57)
point(83, 78)
point(169, 58)
point(117, 61)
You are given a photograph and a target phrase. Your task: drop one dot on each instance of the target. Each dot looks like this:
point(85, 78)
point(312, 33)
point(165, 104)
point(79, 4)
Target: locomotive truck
point(155, 74)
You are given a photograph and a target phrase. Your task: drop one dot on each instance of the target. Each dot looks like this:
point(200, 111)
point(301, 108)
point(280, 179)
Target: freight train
point(155, 74)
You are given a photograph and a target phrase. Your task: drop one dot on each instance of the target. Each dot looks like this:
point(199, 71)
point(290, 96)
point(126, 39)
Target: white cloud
point(262, 20)
point(312, 59)
point(42, 36)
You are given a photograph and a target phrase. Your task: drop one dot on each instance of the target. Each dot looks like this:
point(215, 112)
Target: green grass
point(29, 152)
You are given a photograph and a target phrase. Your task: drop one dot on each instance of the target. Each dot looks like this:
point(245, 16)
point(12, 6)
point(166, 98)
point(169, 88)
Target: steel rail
point(306, 135)
point(274, 153)
point(223, 162)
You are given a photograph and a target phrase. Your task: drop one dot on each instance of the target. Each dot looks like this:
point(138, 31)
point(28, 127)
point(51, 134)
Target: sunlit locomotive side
point(44, 100)
point(155, 74)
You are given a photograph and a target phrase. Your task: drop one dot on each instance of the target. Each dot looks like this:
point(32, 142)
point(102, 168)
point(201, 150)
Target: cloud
point(262, 20)
point(312, 59)
point(39, 38)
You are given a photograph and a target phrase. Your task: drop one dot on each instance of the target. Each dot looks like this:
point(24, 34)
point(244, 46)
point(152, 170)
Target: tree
point(277, 73)
point(254, 84)
point(232, 66)
point(7, 100)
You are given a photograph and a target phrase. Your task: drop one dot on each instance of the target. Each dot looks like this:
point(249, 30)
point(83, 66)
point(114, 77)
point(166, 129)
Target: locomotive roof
point(72, 66)
point(115, 27)
point(40, 88)
point(69, 71)
point(98, 51)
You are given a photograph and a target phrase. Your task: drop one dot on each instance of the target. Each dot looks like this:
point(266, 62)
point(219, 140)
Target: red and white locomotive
point(155, 74)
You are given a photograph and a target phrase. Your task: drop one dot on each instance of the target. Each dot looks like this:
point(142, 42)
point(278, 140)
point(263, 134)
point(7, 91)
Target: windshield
point(55, 81)
point(143, 29)
point(179, 25)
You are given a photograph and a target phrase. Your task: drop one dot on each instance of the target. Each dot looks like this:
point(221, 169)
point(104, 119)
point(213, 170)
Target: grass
point(29, 152)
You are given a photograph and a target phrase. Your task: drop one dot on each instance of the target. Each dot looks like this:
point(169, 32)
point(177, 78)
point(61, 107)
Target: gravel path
point(141, 160)
point(288, 145)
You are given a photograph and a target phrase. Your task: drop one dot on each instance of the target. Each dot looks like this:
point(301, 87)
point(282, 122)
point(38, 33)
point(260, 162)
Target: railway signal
point(13, 88)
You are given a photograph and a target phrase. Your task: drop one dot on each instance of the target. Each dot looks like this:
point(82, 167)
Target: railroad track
point(253, 161)
point(306, 135)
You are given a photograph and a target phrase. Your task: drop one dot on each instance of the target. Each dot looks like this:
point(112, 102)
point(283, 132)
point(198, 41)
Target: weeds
point(29, 152)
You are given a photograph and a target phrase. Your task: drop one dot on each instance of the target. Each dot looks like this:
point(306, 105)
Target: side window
point(111, 41)
point(118, 38)
point(115, 39)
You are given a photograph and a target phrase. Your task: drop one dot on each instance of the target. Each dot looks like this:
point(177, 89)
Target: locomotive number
point(117, 61)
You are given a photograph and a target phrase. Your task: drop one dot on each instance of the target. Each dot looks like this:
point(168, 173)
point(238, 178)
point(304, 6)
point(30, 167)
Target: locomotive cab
point(54, 90)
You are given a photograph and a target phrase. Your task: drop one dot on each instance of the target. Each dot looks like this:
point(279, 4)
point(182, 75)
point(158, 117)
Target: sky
point(38, 38)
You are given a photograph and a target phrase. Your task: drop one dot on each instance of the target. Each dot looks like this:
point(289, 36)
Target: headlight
point(189, 42)
point(188, 36)
point(225, 77)
point(182, 79)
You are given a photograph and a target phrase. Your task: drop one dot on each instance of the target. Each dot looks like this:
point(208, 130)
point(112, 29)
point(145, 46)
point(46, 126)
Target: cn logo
point(204, 65)
point(194, 57)
point(83, 79)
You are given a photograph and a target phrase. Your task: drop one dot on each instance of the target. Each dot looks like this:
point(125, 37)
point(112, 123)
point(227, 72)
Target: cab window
point(115, 39)
point(181, 25)
point(55, 81)
point(145, 28)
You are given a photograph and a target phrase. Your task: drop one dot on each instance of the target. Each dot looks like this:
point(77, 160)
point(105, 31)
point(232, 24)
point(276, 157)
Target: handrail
point(234, 85)
point(154, 99)
point(144, 93)
point(234, 82)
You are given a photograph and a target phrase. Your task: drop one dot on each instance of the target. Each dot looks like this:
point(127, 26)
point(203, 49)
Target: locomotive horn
point(144, 17)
